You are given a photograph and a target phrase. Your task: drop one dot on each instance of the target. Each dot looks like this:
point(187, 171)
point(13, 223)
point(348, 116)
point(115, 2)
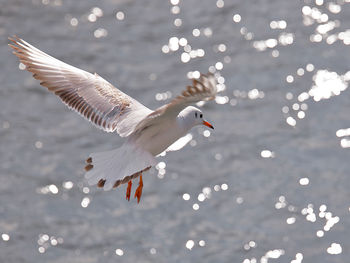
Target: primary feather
point(89, 94)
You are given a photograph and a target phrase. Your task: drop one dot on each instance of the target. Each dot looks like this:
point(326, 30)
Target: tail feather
point(111, 168)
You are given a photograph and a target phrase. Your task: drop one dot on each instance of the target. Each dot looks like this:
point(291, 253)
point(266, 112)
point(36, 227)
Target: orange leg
point(138, 191)
point(128, 190)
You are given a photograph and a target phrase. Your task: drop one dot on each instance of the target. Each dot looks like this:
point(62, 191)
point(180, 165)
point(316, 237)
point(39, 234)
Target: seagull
point(148, 133)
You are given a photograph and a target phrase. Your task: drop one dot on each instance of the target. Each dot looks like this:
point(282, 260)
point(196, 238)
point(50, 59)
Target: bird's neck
point(185, 123)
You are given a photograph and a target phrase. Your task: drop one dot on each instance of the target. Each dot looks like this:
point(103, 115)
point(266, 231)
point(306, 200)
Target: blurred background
point(269, 184)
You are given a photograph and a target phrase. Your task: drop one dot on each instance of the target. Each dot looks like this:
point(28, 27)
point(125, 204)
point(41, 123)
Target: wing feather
point(203, 89)
point(89, 94)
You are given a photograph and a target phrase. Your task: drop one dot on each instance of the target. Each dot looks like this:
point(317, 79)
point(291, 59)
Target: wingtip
point(88, 167)
point(13, 38)
point(14, 41)
point(101, 183)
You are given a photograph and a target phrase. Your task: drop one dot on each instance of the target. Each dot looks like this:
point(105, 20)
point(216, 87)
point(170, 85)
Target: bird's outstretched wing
point(202, 89)
point(90, 95)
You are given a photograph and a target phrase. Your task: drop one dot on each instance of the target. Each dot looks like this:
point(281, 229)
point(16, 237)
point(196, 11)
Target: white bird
point(148, 133)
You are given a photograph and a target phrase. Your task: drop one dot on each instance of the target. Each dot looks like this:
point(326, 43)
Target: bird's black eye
point(195, 114)
point(201, 116)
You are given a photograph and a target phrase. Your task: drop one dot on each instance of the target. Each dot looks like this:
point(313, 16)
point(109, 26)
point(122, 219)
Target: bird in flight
point(148, 133)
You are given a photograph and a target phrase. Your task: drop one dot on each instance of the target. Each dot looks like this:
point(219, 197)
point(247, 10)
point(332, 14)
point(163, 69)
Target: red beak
point(208, 124)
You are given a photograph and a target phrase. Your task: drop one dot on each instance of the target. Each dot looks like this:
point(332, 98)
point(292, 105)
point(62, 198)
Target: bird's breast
point(158, 137)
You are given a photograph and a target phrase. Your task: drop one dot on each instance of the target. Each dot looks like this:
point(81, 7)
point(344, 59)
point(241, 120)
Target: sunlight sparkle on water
point(252, 243)
point(183, 41)
point(291, 121)
point(236, 18)
point(74, 22)
point(201, 197)
point(334, 8)
point(219, 65)
point(281, 202)
point(285, 109)
point(221, 99)
point(304, 181)
point(344, 142)
point(298, 258)
point(206, 133)
point(326, 85)
point(173, 43)
point(300, 72)
point(224, 187)
point(5, 237)
point(255, 94)
point(67, 185)
point(161, 165)
point(92, 18)
point(85, 202)
point(319, 233)
point(283, 39)
point(53, 189)
point(165, 49)
point(221, 47)
point(189, 244)
point(220, 3)
point(274, 254)
point(119, 252)
point(120, 15)
point(334, 249)
point(289, 78)
point(45, 242)
point(207, 192)
point(196, 32)
point(296, 106)
point(38, 144)
point(290, 220)
point(289, 96)
point(324, 215)
point(177, 22)
point(208, 32)
point(162, 96)
point(267, 154)
point(301, 115)
point(280, 24)
point(239, 200)
point(275, 53)
point(100, 32)
point(218, 156)
point(286, 39)
point(186, 196)
point(175, 10)
point(97, 11)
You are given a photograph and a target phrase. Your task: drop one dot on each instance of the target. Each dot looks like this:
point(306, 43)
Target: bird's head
point(194, 117)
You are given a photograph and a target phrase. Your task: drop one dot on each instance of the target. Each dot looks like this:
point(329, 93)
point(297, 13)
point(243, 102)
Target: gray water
point(269, 184)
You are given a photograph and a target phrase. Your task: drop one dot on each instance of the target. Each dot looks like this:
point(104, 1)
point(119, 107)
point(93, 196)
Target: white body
point(140, 148)
point(159, 137)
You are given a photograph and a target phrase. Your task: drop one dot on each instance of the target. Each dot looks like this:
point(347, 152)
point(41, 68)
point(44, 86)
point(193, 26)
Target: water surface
point(269, 184)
